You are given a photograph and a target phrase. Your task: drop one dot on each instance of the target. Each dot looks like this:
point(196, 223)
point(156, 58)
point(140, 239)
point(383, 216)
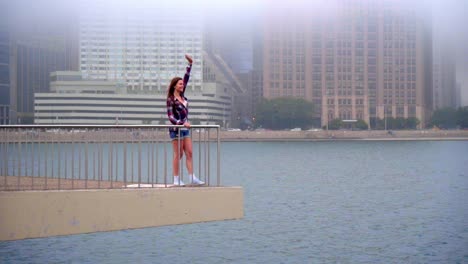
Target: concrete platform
point(33, 214)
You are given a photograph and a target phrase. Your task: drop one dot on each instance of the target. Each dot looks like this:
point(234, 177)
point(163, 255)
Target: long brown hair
point(170, 91)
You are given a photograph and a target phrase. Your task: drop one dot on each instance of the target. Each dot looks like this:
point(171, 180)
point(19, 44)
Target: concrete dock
point(34, 214)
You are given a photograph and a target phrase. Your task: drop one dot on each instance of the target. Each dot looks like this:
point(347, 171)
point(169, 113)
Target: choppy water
point(305, 202)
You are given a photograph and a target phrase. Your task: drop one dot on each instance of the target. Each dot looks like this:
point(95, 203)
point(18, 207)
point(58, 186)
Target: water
point(305, 202)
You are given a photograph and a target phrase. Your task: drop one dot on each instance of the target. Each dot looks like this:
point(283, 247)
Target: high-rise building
point(217, 74)
point(33, 64)
point(363, 59)
point(4, 71)
point(444, 71)
point(458, 96)
point(40, 43)
point(236, 41)
point(143, 47)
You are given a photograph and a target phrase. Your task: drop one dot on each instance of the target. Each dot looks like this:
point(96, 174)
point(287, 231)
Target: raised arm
point(188, 69)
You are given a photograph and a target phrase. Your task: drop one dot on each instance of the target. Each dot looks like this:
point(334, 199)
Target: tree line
point(287, 113)
point(449, 118)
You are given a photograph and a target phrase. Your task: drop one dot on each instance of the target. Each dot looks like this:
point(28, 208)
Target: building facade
point(76, 100)
point(40, 43)
point(361, 59)
point(444, 72)
point(143, 48)
point(238, 43)
point(217, 74)
point(458, 96)
point(5, 95)
point(33, 65)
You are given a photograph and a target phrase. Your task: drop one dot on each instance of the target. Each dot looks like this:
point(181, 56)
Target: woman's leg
point(187, 147)
point(177, 151)
point(188, 155)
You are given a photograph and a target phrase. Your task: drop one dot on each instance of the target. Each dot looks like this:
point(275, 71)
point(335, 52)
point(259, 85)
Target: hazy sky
point(449, 16)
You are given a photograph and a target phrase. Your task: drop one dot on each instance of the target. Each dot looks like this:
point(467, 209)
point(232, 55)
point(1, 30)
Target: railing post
point(125, 158)
point(73, 163)
point(53, 157)
point(86, 165)
point(218, 168)
point(209, 154)
point(165, 164)
point(32, 158)
point(199, 154)
point(65, 146)
point(205, 151)
point(111, 159)
point(19, 160)
point(46, 158)
point(180, 161)
point(139, 161)
point(117, 159)
point(131, 153)
point(5, 157)
point(59, 176)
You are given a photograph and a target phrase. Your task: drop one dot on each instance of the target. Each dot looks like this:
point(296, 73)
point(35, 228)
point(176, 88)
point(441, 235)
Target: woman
point(177, 111)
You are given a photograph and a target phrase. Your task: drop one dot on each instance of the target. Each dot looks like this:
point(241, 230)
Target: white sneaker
point(178, 182)
point(195, 180)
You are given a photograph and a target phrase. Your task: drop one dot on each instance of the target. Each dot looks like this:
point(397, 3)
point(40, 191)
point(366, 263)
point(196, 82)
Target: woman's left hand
point(189, 59)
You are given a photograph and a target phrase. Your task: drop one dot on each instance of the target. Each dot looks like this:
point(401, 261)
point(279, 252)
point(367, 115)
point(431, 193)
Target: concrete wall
point(31, 214)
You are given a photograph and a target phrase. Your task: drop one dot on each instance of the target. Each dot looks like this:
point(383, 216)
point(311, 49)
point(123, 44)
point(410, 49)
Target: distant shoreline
point(339, 139)
point(345, 135)
point(237, 136)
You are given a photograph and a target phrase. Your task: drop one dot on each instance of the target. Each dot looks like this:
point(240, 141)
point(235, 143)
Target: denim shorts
point(183, 134)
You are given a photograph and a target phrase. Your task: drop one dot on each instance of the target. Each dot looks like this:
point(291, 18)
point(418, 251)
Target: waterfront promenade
point(227, 136)
point(323, 135)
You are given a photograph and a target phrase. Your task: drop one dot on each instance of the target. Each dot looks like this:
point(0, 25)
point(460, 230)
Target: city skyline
point(360, 61)
point(235, 17)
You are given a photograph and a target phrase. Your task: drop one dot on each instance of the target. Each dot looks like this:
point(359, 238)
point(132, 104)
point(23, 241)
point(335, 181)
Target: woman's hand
point(189, 59)
point(187, 124)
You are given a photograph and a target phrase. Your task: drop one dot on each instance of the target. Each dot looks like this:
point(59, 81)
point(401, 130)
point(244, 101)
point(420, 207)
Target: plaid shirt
point(176, 110)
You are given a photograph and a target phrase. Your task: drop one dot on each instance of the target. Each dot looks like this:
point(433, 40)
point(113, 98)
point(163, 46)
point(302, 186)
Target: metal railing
point(64, 157)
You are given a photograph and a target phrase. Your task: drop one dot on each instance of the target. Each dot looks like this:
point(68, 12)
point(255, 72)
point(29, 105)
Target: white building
point(143, 47)
point(74, 100)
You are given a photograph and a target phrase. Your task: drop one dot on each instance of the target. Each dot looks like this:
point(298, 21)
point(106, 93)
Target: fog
point(448, 16)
